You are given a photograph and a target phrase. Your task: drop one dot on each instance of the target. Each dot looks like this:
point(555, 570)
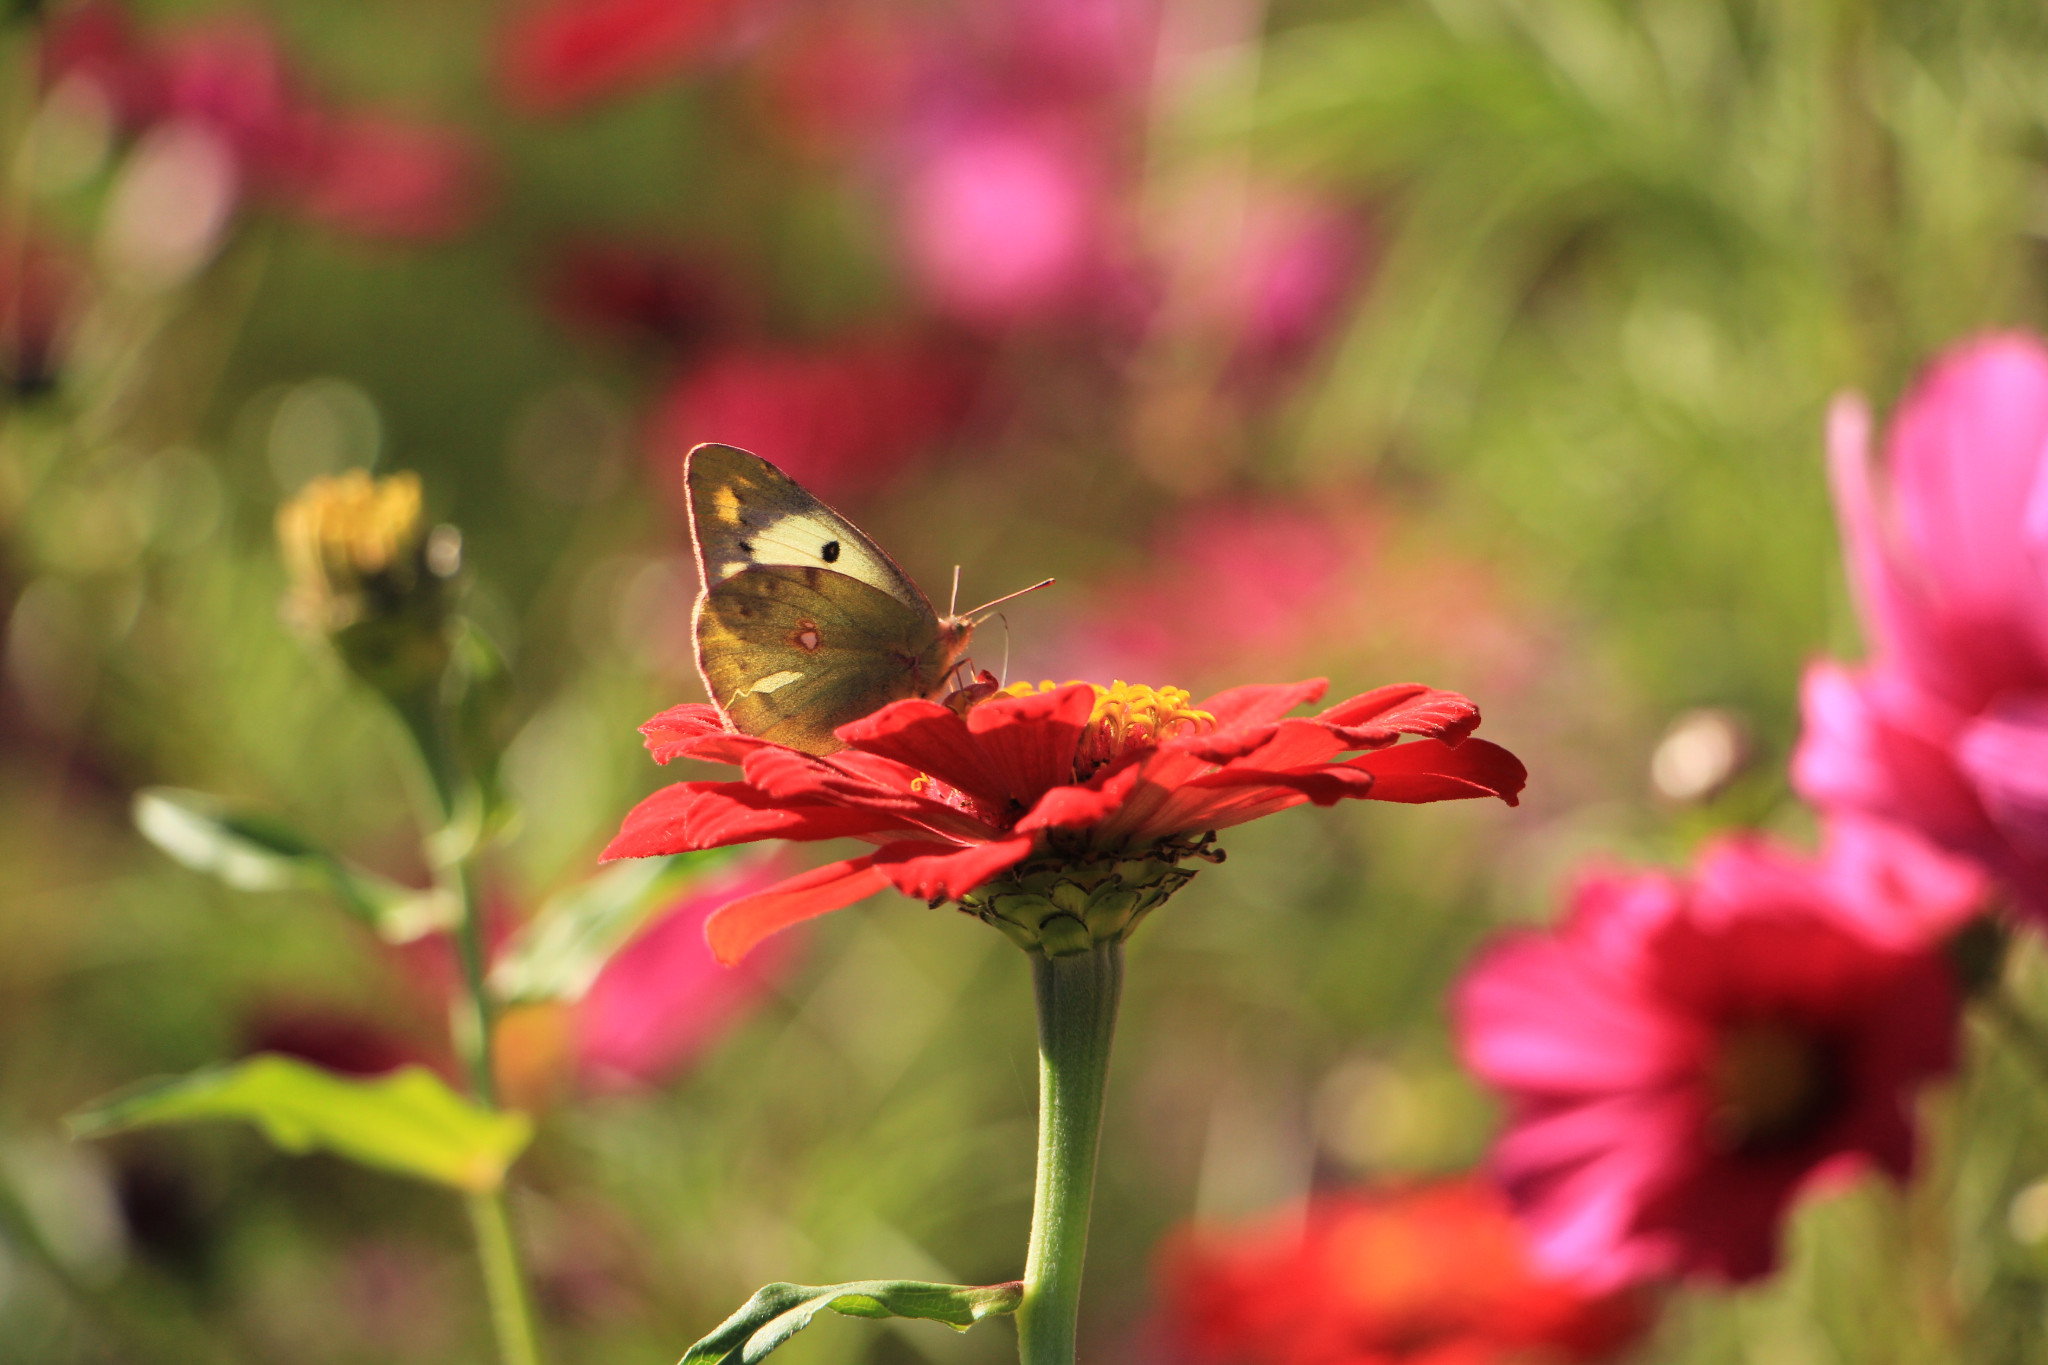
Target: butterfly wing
point(791, 653)
point(744, 512)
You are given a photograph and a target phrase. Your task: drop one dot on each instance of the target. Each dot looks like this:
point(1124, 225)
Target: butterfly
point(803, 623)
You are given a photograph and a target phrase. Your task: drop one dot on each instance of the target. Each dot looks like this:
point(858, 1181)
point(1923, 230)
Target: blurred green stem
point(504, 1280)
point(1077, 1002)
point(452, 848)
point(2021, 1034)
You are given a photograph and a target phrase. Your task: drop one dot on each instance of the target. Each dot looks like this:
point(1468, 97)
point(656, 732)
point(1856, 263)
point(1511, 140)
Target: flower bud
point(366, 575)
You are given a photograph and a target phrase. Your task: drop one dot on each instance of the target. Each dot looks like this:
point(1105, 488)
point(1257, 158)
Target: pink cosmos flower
point(367, 174)
point(1685, 1055)
point(664, 998)
point(840, 417)
point(1945, 729)
point(1004, 221)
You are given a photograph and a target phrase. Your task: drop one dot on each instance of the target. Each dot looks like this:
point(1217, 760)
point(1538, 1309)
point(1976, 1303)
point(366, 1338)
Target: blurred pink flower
point(366, 174)
point(1239, 578)
point(839, 417)
point(569, 54)
point(1684, 1056)
point(663, 997)
point(1296, 267)
point(1946, 727)
point(1004, 222)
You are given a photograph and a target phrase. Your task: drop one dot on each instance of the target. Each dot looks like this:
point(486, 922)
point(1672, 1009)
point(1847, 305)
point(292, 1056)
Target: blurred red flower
point(1058, 777)
point(840, 417)
point(1946, 728)
point(638, 293)
point(40, 294)
point(566, 55)
point(1684, 1056)
point(1435, 1274)
point(368, 174)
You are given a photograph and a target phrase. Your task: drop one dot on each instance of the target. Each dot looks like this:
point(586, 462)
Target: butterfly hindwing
point(745, 513)
point(791, 653)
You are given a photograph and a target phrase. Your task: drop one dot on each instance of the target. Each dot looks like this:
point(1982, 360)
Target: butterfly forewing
point(790, 654)
point(745, 513)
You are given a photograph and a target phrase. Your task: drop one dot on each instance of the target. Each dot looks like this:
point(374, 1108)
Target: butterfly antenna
point(953, 603)
point(980, 613)
point(1006, 648)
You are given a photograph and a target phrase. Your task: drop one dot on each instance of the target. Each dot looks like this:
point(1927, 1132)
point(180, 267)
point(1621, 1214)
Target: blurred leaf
point(255, 852)
point(409, 1122)
point(560, 952)
point(778, 1312)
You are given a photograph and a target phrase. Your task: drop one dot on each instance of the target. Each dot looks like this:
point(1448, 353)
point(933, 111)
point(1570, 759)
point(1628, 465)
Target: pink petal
point(2004, 753)
point(1533, 1015)
point(663, 998)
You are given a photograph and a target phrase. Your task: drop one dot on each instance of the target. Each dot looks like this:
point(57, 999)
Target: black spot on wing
point(830, 554)
point(747, 548)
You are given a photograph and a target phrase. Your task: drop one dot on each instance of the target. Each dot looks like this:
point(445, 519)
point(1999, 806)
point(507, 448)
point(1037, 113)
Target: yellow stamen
point(1127, 716)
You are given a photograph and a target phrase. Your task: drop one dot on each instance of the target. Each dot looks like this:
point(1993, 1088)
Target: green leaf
point(255, 852)
point(409, 1121)
point(778, 1312)
point(559, 953)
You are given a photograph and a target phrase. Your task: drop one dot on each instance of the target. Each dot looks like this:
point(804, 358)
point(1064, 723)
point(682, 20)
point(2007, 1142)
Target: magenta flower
point(1684, 1056)
point(1945, 729)
point(664, 998)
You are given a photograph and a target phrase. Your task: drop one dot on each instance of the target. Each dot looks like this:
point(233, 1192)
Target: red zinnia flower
point(1684, 1056)
point(1437, 1274)
point(1058, 815)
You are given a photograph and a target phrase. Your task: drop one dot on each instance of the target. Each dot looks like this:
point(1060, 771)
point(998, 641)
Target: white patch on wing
point(799, 539)
point(771, 683)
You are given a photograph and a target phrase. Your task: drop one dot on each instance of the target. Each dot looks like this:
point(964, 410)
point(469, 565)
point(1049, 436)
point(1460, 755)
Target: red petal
point(735, 928)
point(696, 815)
point(1030, 741)
point(944, 872)
point(695, 730)
point(1079, 807)
point(1429, 770)
point(1261, 703)
point(1325, 786)
point(926, 737)
point(879, 786)
point(1376, 719)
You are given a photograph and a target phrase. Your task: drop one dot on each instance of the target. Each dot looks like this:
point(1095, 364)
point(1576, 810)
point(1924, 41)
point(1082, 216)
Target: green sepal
point(779, 1311)
point(251, 851)
point(409, 1122)
point(561, 950)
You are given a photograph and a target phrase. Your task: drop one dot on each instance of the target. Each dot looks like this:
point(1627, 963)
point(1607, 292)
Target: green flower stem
point(504, 1277)
point(1077, 1001)
point(504, 1280)
point(2018, 1030)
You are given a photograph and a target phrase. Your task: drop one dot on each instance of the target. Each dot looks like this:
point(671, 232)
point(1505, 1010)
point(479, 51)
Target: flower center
point(1127, 717)
point(1772, 1085)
